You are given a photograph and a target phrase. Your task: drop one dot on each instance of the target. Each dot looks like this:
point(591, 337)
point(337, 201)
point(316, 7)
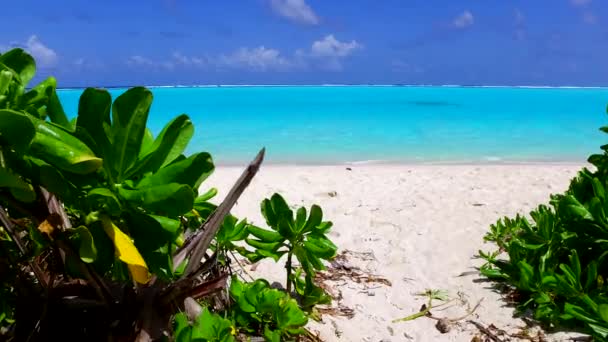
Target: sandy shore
point(418, 226)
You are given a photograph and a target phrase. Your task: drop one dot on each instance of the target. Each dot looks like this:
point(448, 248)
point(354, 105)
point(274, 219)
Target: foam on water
point(337, 124)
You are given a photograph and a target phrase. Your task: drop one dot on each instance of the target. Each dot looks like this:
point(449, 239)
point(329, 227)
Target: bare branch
point(55, 207)
point(198, 246)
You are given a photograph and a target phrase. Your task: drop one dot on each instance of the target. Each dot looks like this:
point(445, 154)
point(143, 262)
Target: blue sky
point(166, 42)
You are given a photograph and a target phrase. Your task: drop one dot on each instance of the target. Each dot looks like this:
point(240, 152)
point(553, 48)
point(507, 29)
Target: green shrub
point(301, 236)
point(556, 263)
point(101, 222)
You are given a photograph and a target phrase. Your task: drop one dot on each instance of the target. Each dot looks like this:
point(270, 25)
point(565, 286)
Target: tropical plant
point(207, 327)
point(103, 230)
point(258, 307)
point(301, 236)
point(556, 263)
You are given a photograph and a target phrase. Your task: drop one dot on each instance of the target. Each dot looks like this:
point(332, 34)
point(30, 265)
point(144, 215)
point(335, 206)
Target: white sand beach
point(418, 226)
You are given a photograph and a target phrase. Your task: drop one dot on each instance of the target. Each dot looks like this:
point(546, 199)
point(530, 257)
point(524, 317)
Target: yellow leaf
point(49, 225)
point(126, 251)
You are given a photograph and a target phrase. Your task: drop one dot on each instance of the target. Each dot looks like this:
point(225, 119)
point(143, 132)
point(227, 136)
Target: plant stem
point(288, 266)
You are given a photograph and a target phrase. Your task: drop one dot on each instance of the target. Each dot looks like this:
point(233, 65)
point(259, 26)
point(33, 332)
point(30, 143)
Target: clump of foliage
point(103, 231)
point(258, 307)
point(300, 236)
point(557, 263)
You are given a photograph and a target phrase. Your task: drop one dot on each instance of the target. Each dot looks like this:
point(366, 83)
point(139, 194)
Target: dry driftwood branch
point(485, 331)
point(199, 244)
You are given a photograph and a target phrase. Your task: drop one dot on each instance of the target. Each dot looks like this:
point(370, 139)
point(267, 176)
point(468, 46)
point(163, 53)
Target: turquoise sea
point(343, 124)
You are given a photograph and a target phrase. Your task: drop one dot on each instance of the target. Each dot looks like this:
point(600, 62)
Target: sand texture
point(416, 227)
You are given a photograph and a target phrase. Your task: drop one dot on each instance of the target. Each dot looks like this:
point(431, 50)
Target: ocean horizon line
point(341, 85)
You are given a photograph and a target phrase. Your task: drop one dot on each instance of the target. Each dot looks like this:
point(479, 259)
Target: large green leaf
point(17, 186)
point(168, 145)
point(35, 99)
point(315, 218)
point(16, 130)
point(146, 143)
point(51, 179)
point(129, 117)
point(6, 77)
point(182, 330)
point(320, 246)
point(151, 232)
point(62, 149)
point(21, 63)
point(93, 114)
point(212, 328)
point(104, 199)
point(87, 249)
point(191, 171)
point(265, 235)
point(290, 316)
point(170, 199)
point(55, 111)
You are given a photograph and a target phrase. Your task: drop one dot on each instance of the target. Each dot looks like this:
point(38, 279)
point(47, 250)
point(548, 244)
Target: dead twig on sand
point(486, 331)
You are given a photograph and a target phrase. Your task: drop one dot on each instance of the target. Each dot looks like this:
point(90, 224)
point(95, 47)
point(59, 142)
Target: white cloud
point(580, 2)
point(141, 61)
point(465, 19)
point(295, 10)
point(329, 46)
point(326, 53)
point(258, 59)
point(181, 59)
point(44, 56)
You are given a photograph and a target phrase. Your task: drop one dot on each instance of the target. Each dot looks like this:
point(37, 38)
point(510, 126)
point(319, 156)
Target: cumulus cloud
point(258, 59)
point(465, 19)
point(295, 10)
point(45, 56)
point(329, 46)
point(328, 52)
point(325, 53)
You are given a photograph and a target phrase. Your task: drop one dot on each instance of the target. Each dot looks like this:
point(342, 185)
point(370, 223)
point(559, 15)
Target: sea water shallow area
point(383, 124)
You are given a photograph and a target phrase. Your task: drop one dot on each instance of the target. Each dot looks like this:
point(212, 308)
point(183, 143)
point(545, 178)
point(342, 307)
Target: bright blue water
point(392, 124)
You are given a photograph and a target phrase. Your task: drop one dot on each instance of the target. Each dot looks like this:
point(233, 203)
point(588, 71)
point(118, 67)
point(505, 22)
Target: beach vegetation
point(554, 263)
point(303, 236)
point(104, 232)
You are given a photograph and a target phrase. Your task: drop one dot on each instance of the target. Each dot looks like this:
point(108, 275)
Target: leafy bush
point(104, 232)
point(557, 263)
point(261, 308)
point(302, 236)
